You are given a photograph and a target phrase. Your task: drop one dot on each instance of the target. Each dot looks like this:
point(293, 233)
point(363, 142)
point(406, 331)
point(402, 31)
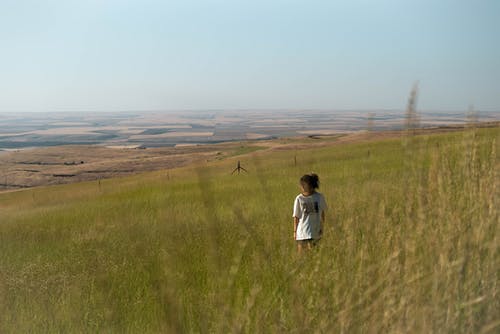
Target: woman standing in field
point(308, 213)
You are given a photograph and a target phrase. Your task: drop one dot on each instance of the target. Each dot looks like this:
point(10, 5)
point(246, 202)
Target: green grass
point(245, 149)
point(411, 245)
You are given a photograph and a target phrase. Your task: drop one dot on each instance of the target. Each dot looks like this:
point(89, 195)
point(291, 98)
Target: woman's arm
point(322, 222)
point(295, 224)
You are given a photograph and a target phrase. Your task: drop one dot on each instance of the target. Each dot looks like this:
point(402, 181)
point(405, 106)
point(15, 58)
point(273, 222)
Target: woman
point(308, 213)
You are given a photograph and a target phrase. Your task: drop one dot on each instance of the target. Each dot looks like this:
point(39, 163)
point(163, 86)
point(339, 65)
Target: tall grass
point(411, 245)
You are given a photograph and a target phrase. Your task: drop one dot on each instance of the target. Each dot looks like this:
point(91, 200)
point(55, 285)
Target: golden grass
point(411, 245)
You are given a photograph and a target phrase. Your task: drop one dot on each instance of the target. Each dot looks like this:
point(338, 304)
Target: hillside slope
point(411, 245)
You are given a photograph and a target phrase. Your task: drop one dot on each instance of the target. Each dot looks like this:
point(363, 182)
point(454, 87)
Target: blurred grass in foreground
point(411, 245)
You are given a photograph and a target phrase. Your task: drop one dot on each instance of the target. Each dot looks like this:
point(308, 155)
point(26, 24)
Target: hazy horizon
point(462, 111)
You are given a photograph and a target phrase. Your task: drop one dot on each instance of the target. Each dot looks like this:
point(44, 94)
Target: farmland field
point(170, 128)
point(411, 244)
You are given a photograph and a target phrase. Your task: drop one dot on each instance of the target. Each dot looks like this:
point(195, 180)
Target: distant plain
point(160, 129)
point(40, 149)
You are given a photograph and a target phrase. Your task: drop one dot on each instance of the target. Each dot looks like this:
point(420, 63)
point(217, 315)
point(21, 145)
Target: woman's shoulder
point(301, 197)
point(318, 194)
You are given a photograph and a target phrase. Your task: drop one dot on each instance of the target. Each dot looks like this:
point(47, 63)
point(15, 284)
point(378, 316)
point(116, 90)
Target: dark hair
point(311, 179)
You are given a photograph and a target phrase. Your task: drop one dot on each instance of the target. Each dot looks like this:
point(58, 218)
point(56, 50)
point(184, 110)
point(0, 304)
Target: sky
point(131, 55)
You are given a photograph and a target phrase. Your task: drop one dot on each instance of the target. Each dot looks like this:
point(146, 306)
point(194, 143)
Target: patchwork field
point(411, 243)
point(163, 129)
point(27, 168)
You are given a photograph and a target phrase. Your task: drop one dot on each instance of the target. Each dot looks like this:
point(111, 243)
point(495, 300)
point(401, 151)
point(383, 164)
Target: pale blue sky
point(109, 55)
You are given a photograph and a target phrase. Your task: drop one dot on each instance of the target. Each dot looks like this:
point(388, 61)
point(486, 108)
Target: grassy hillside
point(411, 245)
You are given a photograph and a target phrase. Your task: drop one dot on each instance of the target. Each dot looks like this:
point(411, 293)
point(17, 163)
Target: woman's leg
point(304, 245)
point(300, 246)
